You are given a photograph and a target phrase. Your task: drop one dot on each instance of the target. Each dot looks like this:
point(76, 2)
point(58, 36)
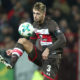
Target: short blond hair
point(39, 6)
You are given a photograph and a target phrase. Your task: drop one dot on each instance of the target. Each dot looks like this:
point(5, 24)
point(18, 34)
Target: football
point(26, 29)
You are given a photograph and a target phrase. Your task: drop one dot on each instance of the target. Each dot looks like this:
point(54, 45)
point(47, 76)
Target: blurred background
point(65, 12)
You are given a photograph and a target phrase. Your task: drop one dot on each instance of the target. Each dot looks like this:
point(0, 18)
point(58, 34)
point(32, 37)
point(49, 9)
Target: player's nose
point(35, 16)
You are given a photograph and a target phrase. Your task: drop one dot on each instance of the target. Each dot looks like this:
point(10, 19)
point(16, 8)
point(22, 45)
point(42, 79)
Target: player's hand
point(45, 54)
point(9, 52)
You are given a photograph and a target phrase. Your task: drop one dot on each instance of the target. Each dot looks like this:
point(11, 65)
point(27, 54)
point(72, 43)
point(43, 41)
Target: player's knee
point(22, 41)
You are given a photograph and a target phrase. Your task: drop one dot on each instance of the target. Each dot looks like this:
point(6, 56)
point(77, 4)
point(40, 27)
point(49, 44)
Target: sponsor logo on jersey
point(42, 31)
point(44, 36)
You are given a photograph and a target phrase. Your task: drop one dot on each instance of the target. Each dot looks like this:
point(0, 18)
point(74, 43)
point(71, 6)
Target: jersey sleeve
point(60, 38)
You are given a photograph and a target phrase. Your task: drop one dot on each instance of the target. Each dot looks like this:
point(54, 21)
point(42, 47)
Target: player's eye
point(36, 13)
point(33, 12)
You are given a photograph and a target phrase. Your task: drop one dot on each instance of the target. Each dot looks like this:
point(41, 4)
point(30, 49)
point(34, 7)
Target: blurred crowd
point(65, 12)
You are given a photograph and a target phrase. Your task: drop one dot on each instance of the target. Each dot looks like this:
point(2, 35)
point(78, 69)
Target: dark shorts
point(35, 56)
point(49, 67)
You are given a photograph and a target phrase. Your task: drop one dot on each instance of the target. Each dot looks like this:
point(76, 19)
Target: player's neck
point(42, 21)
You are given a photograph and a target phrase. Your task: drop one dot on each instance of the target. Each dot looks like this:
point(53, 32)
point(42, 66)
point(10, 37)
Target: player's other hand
point(9, 52)
point(45, 54)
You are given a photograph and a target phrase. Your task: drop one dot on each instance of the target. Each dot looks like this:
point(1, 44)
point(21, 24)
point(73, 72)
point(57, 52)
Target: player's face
point(38, 16)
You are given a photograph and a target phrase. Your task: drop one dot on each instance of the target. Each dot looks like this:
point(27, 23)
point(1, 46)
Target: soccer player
point(44, 46)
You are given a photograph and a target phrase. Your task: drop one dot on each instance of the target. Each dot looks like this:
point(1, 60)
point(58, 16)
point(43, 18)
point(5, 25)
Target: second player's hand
point(45, 54)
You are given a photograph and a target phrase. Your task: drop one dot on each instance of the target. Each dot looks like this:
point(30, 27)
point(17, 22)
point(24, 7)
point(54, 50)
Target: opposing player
point(45, 46)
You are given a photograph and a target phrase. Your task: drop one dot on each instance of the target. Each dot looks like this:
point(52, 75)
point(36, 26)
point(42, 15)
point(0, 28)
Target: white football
point(26, 29)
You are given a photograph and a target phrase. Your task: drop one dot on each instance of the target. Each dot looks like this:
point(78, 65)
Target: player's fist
point(9, 52)
point(45, 54)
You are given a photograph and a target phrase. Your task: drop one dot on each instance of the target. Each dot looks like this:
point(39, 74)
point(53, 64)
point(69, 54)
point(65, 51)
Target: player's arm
point(59, 43)
point(61, 40)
